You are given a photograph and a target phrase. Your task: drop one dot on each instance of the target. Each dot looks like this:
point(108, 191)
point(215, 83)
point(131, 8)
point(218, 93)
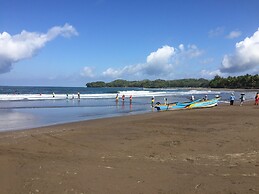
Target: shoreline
point(23, 114)
point(213, 150)
point(79, 122)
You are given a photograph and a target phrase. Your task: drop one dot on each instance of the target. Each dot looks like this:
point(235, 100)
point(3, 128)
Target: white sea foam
point(168, 92)
point(142, 93)
point(127, 93)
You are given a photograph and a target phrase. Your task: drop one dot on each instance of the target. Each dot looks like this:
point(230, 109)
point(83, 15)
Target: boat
point(205, 104)
point(174, 105)
point(200, 103)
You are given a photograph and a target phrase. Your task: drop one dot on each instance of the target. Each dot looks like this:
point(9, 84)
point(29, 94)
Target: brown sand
point(193, 151)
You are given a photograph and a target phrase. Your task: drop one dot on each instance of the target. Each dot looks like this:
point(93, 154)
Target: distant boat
point(200, 103)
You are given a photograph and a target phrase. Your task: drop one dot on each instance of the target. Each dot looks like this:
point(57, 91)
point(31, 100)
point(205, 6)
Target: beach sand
point(213, 150)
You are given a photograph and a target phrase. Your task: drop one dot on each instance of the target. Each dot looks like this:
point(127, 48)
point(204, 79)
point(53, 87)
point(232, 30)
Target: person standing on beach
point(242, 99)
point(256, 98)
point(123, 97)
point(78, 95)
point(117, 98)
point(152, 101)
point(232, 99)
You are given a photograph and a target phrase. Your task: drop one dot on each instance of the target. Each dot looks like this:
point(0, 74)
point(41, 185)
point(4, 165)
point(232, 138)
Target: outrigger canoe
point(200, 103)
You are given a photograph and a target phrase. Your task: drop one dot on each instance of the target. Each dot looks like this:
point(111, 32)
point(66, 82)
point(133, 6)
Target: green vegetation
point(245, 81)
point(159, 83)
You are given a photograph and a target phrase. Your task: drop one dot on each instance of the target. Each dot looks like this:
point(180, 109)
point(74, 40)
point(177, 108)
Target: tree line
point(159, 83)
point(245, 81)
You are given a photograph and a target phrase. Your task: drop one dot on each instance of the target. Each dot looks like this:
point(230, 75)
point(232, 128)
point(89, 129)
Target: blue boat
point(205, 104)
point(200, 103)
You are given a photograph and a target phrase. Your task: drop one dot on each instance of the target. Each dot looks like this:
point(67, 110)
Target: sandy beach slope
point(212, 150)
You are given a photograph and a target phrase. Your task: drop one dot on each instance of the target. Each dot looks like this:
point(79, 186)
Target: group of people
point(131, 98)
point(123, 98)
point(205, 98)
point(73, 96)
point(242, 99)
point(233, 98)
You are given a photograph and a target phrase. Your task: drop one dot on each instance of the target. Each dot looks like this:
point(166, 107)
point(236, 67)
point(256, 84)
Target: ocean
point(29, 107)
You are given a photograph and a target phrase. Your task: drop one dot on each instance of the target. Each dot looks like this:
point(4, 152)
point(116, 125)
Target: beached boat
point(200, 103)
point(205, 104)
point(174, 105)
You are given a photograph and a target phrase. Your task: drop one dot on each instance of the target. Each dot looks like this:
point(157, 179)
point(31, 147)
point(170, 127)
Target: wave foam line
point(20, 97)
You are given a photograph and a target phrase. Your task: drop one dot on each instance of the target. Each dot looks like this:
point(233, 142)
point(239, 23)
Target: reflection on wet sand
point(11, 119)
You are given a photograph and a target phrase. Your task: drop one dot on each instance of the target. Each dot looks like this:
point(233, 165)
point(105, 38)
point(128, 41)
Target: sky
point(72, 42)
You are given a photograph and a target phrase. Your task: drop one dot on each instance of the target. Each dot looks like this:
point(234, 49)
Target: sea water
point(29, 107)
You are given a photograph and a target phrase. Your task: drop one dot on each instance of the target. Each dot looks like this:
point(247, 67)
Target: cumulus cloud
point(88, 72)
point(234, 34)
point(158, 63)
point(27, 44)
point(162, 55)
point(245, 58)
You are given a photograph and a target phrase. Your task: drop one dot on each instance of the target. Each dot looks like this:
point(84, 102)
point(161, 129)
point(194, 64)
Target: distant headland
point(245, 81)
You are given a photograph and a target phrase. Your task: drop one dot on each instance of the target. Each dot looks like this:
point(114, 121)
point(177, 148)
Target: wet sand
point(212, 150)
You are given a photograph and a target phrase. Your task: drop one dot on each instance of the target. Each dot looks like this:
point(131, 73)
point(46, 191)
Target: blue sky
point(72, 42)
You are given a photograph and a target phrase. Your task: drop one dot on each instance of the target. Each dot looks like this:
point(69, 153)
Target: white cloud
point(162, 55)
point(245, 58)
point(210, 74)
point(27, 44)
point(127, 70)
point(191, 52)
point(160, 63)
point(234, 34)
point(88, 72)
